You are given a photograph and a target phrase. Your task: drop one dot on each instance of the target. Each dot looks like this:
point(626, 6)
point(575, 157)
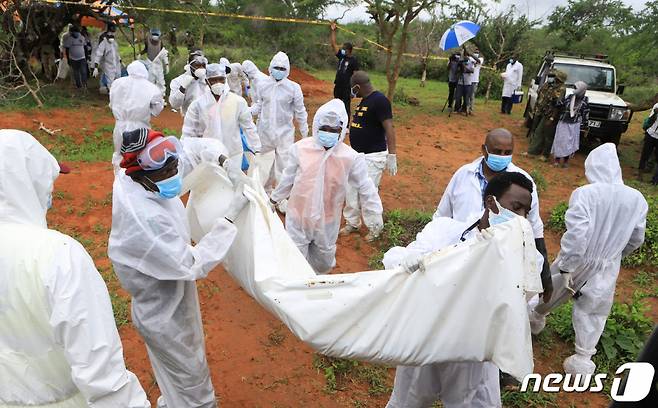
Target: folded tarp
point(468, 305)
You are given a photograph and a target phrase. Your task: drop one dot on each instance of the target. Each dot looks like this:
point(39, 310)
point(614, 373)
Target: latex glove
point(166, 69)
point(392, 164)
point(567, 282)
point(412, 263)
point(236, 175)
point(95, 73)
point(186, 81)
point(236, 206)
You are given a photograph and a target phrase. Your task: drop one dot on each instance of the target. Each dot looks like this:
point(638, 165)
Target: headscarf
point(577, 98)
point(134, 142)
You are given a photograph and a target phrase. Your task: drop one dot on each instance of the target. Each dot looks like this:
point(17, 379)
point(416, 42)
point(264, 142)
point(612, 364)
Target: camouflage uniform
point(546, 115)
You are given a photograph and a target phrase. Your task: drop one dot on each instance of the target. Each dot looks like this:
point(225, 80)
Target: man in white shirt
point(512, 80)
point(462, 199)
point(475, 78)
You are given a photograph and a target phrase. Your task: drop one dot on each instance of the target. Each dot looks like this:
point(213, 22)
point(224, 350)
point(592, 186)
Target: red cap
point(133, 143)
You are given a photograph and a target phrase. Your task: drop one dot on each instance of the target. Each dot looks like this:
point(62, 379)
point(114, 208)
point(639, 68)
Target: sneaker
point(348, 229)
point(370, 237)
point(537, 322)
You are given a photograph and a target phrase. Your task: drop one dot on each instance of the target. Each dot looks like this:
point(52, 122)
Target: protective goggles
point(155, 154)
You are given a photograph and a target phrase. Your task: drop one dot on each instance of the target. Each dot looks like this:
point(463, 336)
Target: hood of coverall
point(236, 69)
point(280, 60)
point(602, 165)
point(28, 174)
point(249, 68)
point(333, 114)
point(137, 69)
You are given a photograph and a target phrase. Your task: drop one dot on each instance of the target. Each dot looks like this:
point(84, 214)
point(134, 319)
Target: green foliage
point(647, 254)
point(93, 148)
point(540, 181)
point(121, 309)
point(338, 372)
point(400, 97)
point(644, 279)
point(556, 220)
point(528, 399)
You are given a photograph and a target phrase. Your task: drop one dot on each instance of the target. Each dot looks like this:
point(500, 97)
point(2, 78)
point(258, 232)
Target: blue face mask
point(327, 139)
point(171, 187)
point(496, 162)
point(503, 215)
point(278, 75)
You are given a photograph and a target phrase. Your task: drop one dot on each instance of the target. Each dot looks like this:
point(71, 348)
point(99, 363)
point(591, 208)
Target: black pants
point(506, 105)
point(80, 72)
point(649, 146)
point(451, 93)
point(344, 95)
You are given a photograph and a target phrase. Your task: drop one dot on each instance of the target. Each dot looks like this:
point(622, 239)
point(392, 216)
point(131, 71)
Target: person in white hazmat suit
point(107, 58)
point(255, 77)
point(237, 80)
point(59, 346)
point(279, 101)
point(157, 61)
point(462, 198)
point(133, 100)
point(457, 384)
point(185, 88)
point(319, 170)
point(512, 80)
point(219, 114)
point(605, 221)
point(151, 253)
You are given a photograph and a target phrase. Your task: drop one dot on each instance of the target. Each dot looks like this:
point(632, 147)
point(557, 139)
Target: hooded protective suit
point(459, 384)
point(278, 103)
point(133, 100)
point(222, 120)
point(152, 256)
point(237, 79)
point(316, 181)
point(59, 346)
point(255, 77)
point(108, 58)
point(157, 69)
point(194, 88)
point(605, 222)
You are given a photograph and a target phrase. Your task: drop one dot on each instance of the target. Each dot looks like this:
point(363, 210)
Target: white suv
point(609, 115)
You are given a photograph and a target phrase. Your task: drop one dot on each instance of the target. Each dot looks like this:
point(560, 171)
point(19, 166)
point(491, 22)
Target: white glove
point(567, 282)
point(95, 73)
point(236, 175)
point(413, 262)
point(186, 81)
point(392, 164)
point(272, 205)
point(236, 206)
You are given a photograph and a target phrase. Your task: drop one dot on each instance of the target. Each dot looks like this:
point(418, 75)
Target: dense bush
point(556, 219)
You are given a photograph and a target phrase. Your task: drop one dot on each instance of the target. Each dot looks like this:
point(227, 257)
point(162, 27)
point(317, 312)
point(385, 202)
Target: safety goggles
point(155, 154)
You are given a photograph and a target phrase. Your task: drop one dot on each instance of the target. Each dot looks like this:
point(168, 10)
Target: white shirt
point(463, 201)
point(653, 130)
point(476, 71)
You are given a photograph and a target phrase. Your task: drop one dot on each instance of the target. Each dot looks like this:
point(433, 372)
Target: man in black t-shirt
point(371, 133)
point(347, 64)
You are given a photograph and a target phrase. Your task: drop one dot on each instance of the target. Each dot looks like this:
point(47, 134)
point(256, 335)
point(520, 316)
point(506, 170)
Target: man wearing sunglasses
point(222, 115)
point(152, 256)
point(185, 88)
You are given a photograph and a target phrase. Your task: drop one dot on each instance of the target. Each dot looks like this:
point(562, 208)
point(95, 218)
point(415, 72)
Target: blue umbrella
point(458, 34)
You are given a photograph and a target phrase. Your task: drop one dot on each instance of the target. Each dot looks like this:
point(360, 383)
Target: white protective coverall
point(459, 384)
point(195, 87)
point(605, 222)
point(222, 120)
point(133, 100)
point(59, 346)
point(512, 78)
point(462, 198)
point(108, 59)
point(255, 77)
point(151, 253)
point(315, 182)
point(236, 79)
point(278, 103)
point(158, 68)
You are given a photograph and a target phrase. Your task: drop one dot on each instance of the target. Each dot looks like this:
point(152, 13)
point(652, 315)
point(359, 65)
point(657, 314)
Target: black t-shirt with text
point(367, 134)
point(346, 67)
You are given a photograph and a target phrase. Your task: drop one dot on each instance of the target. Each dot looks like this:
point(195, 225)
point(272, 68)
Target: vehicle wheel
point(526, 115)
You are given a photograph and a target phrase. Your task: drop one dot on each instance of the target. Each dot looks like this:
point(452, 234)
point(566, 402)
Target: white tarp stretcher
point(468, 305)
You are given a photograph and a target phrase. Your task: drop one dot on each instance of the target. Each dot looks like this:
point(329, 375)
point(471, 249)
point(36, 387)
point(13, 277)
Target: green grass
point(339, 373)
point(400, 229)
point(528, 399)
point(94, 147)
point(540, 180)
point(121, 309)
point(556, 219)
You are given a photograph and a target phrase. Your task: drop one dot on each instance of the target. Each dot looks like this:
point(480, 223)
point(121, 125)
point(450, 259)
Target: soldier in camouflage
point(546, 114)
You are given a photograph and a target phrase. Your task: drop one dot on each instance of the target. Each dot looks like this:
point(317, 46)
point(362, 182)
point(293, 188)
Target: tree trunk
point(486, 95)
point(402, 45)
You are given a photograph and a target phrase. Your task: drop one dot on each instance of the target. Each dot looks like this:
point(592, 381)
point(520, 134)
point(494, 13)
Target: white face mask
point(200, 73)
point(155, 37)
point(503, 215)
point(110, 40)
point(217, 89)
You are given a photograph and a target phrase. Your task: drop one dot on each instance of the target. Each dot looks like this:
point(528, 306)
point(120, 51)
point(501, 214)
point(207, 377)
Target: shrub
point(647, 254)
point(556, 219)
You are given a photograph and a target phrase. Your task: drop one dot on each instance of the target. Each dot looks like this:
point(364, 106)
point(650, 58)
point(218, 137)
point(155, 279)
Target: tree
point(394, 17)
point(426, 39)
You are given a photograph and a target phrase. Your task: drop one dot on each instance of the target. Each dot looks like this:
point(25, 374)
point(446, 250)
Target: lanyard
point(469, 229)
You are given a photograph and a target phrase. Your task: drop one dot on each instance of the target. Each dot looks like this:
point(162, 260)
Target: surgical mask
point(278, 75)
point(171, 187)
point(476, 55)
point(503, 215)
point(49, 204)
point(327, 139)
point(550, 80)
point(343, 52)
point(155, 37)
point(217, 88)
point(353, 93)
point(497, 162)
point(75, 34)
point(200, 73)
point(110, 40)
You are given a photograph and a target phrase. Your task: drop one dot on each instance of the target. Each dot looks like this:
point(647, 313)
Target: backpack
point(648, 122)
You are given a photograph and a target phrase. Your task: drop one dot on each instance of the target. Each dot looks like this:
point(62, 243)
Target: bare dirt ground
point(254, 360)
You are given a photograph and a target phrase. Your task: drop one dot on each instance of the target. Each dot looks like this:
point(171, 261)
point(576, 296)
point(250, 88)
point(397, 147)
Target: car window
point(596, 78)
